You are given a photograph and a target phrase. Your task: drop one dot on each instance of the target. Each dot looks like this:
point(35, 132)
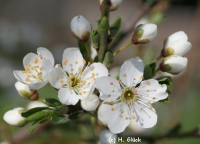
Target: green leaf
point(52, 102)
point(58, 118)
point(149, 71)
point(83, 50)
point(95, 39)
point(164, 100)
point(165, 80)
point(75, 115)
point(39, 115)
point(32, 111)
point(33, 126)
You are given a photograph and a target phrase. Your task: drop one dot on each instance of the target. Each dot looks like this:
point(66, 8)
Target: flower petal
point(181, 47)
point(103, 112)
point(72, 59)
point(145, 117)
point(67, 96)
point(151, 91)
point(57, 77)
point(131, 72)
point(118, 120)
point(173, 38)
point(39, 85)
point(90, 103)
point(108, 87)
point(45, 53)
point(20, 76)
point(46, 67)
point(29, 59)
point(95, 70)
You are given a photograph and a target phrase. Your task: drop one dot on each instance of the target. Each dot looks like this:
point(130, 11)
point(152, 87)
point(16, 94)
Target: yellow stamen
point(124, 75)
point(27, 79)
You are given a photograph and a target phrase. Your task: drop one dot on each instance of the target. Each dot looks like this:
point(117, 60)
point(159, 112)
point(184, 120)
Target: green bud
point(95, 39)
point(108, 59)
point(115, 27)
point(103, 24)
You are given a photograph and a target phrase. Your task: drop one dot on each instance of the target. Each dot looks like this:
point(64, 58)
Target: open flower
point(36, 69)
point(129, 97)
point(176, 44)
point(75, 80)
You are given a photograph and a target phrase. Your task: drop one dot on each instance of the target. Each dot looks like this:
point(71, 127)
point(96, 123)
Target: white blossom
point(75, 80)
point(105, 136)
point(80, 28)
point(36, 69)
point(13, 117)
point(173, 64)
point(176, 44)
point(144, 33)
point(129, 98)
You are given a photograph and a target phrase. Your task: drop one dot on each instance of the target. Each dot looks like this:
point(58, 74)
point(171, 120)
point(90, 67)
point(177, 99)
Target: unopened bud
point(13, 117)
point(34, 96)
point(144, 33)
point(114, 4)
point(95, 39)
point(173, 64)
point(90, 103)
point(23, 90)
point(176, 44)
point(80, 28)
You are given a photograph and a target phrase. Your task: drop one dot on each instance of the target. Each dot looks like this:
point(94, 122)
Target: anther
point(111, 83)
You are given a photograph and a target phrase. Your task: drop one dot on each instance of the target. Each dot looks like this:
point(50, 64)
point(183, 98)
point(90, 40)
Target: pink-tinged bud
point(176, 44)
point(173, 64)
point(80, 28)
point(114, 4)
point(144, 33)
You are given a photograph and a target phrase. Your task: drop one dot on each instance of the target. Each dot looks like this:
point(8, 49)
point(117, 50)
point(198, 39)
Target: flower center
point(128, 94)
point(75, 81)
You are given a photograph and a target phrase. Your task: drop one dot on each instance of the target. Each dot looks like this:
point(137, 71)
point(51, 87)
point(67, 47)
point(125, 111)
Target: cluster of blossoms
point(117, 101)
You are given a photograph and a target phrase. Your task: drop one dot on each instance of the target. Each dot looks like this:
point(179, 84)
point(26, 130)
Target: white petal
point(152, 91)
point(96, 68)
point(29, 59)
point(46, 68)
point(180, 35)
point(145, 117)
point(36, 86)
point(20, 86)
point(108, 87)
point(118, 121)
point(104, 137)
point(90, 103)
point(45, 53)
point(103, 112)
point(12, 117)
point(67, 96)
point(55, 76)
point(181, 47)
point(150, 31)
point(70, 56)
point(114, 72)
point(20, 76)
point(132, 71)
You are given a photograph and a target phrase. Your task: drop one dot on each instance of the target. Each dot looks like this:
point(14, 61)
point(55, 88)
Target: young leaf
point(149, 71)
point(76, 114)
point(58, 118)
point(52, 102)
point(108, 59)
point(39, 115)
point(164, 100)
point(165, 80)
point(32, 111)
point(115, 27)
point(33, 126)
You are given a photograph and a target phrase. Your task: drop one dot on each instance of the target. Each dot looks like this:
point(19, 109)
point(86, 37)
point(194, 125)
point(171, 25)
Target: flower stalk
point(158, 58)
point(88, 52)
point(124, 47)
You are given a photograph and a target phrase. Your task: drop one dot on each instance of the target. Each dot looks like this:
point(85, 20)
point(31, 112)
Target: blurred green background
point(27, 25)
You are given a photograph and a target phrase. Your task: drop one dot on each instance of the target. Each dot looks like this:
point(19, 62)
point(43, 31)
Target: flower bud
point(23, 90)
point(144, 33)
point(13, 117)
point(176, 44)
point(80, 28)
point(105, 135)
point(90, 103)
point(173, 64)
point(34, 104)
point(114, 4)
